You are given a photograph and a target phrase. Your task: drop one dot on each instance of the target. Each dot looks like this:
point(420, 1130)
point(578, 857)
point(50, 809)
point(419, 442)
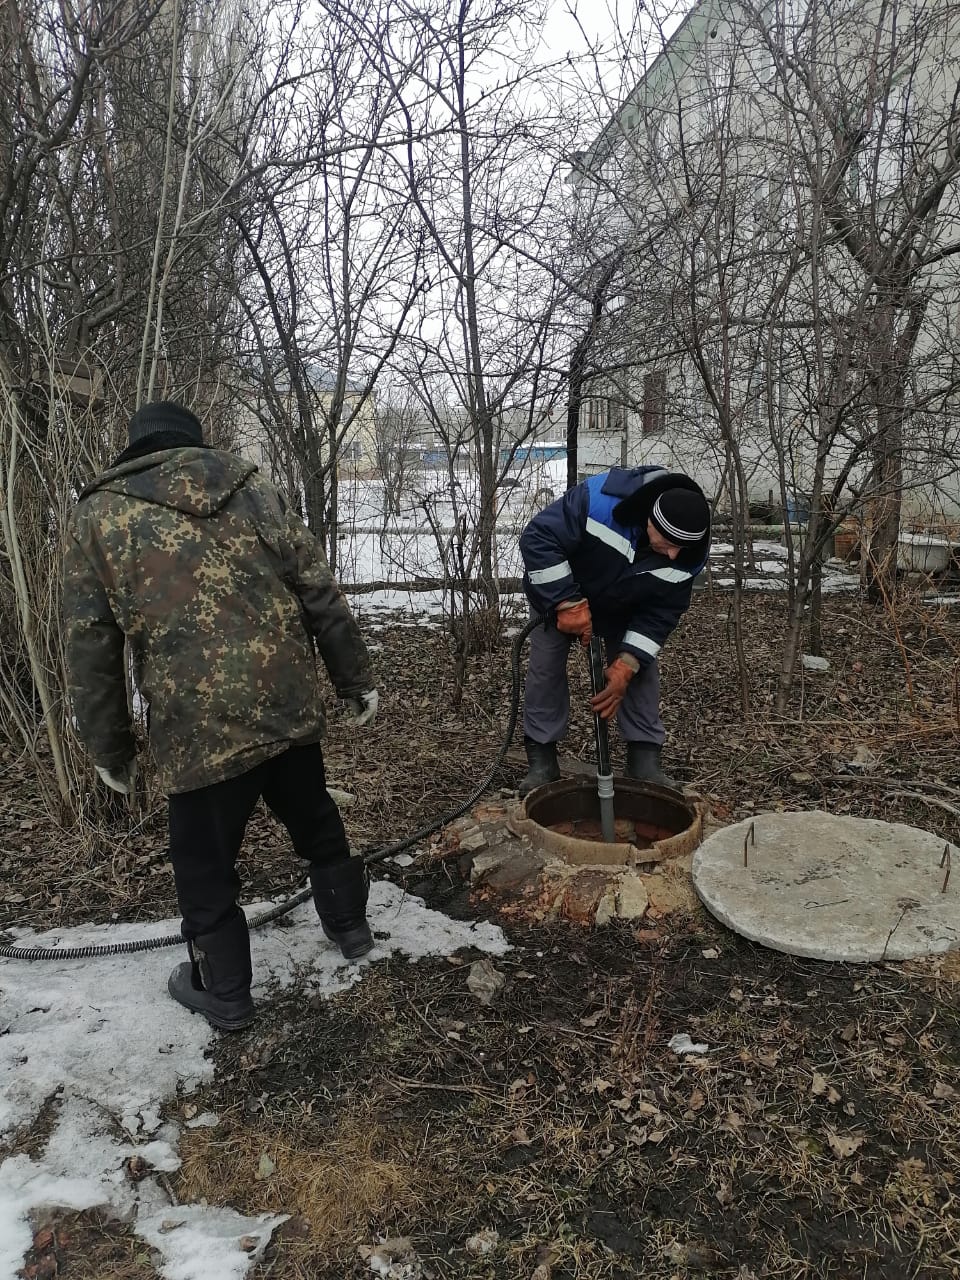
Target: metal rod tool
point(604, 771)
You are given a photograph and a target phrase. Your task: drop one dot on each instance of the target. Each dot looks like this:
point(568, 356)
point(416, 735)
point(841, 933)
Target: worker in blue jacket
point(615, 556)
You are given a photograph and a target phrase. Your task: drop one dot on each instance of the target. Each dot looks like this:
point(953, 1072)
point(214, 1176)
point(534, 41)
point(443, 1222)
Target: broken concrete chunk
point(579, 893)
point(606, 909)
point(632, 900)
point(517, 874)
point(484, 863)
point(472, 840)
point(811, 662)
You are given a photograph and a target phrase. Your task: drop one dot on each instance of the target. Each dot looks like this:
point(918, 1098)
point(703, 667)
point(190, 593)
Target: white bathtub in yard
point(924, 552)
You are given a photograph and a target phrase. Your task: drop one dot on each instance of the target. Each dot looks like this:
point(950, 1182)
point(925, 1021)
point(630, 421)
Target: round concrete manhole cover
point(832, 888)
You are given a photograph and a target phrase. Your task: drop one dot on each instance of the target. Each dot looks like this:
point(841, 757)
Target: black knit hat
point(681, 515)
point(164, 417)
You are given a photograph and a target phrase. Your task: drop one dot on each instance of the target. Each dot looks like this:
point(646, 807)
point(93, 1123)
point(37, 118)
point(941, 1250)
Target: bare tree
point(790, 178)
point(215, 207)
point(126, 143)
point(56, 296)
point(483, 165)
point(884, 174)
point(398, 433)
point(335, 258)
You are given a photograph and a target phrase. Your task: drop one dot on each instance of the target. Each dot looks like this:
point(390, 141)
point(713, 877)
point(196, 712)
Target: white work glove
point(364, 707)
point(120, 779)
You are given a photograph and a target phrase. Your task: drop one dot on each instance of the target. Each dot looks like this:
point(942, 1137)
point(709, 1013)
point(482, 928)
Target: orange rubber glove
point(619, 675)
point(576, 621)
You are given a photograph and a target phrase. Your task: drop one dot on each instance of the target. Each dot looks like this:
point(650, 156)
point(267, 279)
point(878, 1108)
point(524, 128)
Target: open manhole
point(651, 822)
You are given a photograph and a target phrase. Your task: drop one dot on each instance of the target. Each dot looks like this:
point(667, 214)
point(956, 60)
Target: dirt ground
point(819, 1135)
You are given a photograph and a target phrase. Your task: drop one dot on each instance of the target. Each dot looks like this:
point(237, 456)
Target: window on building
point(654, 401)
point(598, 414)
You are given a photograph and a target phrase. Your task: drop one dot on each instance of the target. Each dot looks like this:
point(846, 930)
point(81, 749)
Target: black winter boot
point(643, 763)
point(216, 981)
point(542, 759)
point(340, 891)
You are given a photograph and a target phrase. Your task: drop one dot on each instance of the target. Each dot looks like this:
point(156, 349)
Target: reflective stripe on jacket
point(578, 547)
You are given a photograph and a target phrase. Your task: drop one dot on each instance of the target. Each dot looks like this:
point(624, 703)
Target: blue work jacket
point(592, 542)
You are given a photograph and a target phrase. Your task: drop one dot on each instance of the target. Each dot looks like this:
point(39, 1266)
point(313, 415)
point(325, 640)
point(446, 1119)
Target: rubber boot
point(643, 763)
point(216, 980)
point(340, 891)
point(542, 759)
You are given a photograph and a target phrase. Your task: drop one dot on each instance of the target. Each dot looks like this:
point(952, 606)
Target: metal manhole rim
point(576, 850)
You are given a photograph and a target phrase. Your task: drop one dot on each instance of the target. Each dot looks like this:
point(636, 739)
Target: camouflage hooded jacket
point(195, 559)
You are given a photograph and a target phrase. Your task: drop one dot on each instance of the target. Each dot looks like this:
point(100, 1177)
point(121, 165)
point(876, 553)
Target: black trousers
point(207, 827)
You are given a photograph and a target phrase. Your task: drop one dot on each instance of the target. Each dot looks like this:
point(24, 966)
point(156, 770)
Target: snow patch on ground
point(104, 1041)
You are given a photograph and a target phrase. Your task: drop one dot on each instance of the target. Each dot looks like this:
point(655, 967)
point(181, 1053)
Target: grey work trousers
point(546, 692)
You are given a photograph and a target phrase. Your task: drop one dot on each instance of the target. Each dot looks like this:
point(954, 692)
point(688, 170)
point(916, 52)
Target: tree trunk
point(815, 624)
point(578, 361)
point(315, 494)
point(574, 401)
point(332, 513)
point(881, 563)
point(791, 651)
point(737, 531)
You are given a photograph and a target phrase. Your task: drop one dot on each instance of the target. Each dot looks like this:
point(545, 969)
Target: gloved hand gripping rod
point(604, 772)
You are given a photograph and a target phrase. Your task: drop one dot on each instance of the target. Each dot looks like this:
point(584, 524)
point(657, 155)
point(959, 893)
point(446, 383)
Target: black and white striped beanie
point(681, 515)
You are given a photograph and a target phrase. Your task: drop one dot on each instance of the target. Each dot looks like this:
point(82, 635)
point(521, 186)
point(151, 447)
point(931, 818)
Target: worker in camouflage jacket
point(188, 555)
point(615, 556)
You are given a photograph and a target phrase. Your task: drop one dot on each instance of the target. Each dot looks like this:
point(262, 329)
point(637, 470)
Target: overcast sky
point(562, 32)
point(621, 32)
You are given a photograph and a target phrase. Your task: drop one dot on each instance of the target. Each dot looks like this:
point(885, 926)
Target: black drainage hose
point(370, 856)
